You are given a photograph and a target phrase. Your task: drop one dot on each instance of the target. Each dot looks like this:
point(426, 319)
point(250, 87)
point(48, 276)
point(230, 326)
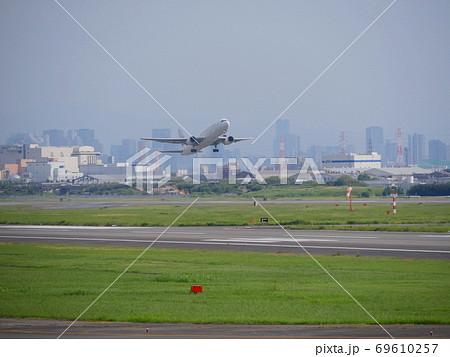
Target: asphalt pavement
point(90, 203)
point(51, 329)
point(270, 239)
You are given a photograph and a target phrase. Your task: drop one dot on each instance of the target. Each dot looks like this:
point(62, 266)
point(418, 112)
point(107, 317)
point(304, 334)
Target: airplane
point(214, 135)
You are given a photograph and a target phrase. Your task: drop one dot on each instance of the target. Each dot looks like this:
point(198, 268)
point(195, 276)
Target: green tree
point(432, 189)
point(363, 177)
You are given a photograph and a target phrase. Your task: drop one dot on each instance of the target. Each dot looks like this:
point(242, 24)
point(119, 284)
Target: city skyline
point(206, 61)
point(55, 157)
point(415, 145)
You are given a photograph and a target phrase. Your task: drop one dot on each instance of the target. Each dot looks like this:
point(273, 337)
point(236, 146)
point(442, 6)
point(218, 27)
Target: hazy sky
point(241, 60)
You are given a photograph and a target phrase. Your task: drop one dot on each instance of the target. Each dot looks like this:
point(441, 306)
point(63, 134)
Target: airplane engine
point(193, 140)
point(229, 140)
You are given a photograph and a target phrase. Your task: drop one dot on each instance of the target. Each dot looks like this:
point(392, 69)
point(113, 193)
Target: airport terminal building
point(353, 161)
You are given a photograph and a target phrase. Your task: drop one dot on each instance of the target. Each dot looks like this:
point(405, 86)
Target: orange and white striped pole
point(394, 193)
point(349, 197)
point(349, 191)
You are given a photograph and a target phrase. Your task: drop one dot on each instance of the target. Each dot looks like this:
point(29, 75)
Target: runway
point(96, 203)
point(265, 239)
point(51, 329)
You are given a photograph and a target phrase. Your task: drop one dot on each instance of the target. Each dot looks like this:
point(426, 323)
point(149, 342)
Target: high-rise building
point(291, 142)
point(124, 151)
point(374, 140)
point(390, 152)
point(25, 138)
point(315, 152)
point(73, 138)
point(87, 137)
point(55, 137)
point(331, 150)
point(437, 152)
point(416, 149)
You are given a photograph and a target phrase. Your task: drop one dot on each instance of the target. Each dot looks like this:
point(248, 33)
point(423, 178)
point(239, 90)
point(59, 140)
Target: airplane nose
point(227, 124)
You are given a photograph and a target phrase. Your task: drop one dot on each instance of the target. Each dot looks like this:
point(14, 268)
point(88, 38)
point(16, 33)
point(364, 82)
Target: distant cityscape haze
point(245, 61)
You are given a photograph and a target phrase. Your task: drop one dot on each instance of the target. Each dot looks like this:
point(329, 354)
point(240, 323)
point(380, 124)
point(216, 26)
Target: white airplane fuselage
point(210, 136)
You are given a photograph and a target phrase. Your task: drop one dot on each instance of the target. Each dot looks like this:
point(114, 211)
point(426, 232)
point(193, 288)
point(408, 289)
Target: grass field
point(307, 191)
point(431, 217)
point(59, 282)
point(303, 191)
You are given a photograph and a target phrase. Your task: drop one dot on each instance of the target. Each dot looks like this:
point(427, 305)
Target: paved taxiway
point(264, 239)
point(32, 328)
point(90, 203)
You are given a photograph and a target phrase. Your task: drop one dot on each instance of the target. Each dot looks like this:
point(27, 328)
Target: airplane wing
point(174, 151)
point(168, 140)
point(183, 141)
point(223, 139)
point(241, 139)
point(171, 151)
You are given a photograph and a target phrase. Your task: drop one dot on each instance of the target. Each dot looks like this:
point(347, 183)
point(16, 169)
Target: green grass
point(59, 282)
point(432, 217)
point(307, 191)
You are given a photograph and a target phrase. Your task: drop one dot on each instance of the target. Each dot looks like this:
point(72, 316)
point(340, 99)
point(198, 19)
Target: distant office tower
point(331, 150)
point(400, 159)
point(73, 138)
point(124, 151)
point(374, 140)
point(416, 149)
point(343, 143)
point(25, 138)
point(437, 152)
point(315, 152)
point(291, 142)
point(87, 137)
point(54, 137)
point(390, 152)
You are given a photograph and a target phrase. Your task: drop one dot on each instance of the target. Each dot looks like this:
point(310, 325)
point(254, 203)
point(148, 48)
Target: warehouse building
point(352, 161)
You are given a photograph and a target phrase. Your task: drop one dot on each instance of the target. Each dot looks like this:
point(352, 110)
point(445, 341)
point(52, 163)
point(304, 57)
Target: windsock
point(349, 191)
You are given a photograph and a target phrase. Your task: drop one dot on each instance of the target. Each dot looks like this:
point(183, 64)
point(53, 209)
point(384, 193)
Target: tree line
point(431, 189)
